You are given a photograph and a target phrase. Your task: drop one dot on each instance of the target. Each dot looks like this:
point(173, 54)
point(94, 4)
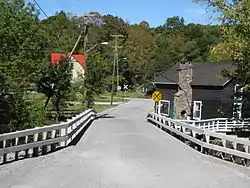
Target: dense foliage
point(235, 20)
point(26, 43)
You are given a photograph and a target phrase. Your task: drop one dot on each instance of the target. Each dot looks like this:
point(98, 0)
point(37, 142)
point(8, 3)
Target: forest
point(26, 43)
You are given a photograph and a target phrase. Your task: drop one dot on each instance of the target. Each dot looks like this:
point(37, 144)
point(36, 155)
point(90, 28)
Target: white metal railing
point(205, 139)
point(43, 139)
point(218, 124)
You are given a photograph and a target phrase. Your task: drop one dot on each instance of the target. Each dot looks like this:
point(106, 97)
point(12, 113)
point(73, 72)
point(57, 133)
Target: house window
point(164, 107)
point(238, 97)
point(237, 111)
point(197, 109)
point(238, 90)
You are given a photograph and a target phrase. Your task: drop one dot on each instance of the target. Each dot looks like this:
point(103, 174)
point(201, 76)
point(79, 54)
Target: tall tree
point(21, 57)
point(55, 83)
point(140, 49)
point(235, 19)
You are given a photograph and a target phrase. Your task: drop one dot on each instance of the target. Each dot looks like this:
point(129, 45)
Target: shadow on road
point(80, 134)
point(105, 116)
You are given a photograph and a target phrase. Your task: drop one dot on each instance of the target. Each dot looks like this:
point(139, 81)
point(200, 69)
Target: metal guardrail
point(41, 140)
point(218, 124)
point(227, 147)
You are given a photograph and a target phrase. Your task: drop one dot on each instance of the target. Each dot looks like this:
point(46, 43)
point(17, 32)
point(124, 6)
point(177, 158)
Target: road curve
point(124, 151)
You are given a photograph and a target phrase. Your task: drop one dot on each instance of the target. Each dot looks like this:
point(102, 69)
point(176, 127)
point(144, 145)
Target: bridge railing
point(41, 140)
point(225, 146)
point(218, 124)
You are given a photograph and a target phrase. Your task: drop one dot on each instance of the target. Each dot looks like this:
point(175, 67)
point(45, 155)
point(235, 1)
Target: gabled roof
point(56, 57)
point(210, 74)
point(204, 74)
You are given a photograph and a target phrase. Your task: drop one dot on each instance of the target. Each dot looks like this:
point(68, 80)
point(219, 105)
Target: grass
point(96, 107)
point(100, 108)
point(78, 108)
point(107, 98)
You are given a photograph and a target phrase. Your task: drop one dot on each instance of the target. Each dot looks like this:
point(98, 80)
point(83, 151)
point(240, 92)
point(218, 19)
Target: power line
point(41, 8)
point(59, 38)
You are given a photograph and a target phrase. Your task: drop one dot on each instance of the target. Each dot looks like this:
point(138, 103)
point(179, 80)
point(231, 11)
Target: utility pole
point(115, 65)
point(85, 51)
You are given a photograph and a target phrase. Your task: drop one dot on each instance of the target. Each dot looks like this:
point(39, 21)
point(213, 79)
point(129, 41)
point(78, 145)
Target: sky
point(155, 12)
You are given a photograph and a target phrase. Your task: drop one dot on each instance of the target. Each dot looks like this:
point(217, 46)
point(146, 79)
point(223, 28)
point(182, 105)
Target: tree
point(61, 32)
point(144, 24)
point(21, 55)
point(174, 23)
point(95, 77)
point(55, 84)
point(175, 41)
point(235, 20)
point(140, 49)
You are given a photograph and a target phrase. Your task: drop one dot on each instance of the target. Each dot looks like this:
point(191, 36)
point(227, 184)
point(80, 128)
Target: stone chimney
point(183, 98)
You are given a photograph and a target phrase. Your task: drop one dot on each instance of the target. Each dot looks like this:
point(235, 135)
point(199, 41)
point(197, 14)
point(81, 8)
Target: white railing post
point(17, 152)
point(63, 132)
point(4, 155)
point(53, 135)
point(36, 149)
point(44, 148)
point(26, 142)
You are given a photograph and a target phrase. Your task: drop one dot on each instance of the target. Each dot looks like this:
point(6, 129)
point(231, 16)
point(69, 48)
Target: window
point(237, 110)
point(197, 109)
point(237, 105)
point(238, 90)
point(164, 107)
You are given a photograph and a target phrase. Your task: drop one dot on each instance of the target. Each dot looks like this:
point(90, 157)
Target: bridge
point(121, 149)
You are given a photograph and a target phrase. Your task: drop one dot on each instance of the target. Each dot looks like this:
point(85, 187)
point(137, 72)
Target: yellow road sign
point(157, 96)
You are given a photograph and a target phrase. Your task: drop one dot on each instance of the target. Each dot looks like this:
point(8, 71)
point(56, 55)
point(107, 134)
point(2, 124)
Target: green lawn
point(99, 108)
point(80, 108)
point(107, 98)
point(96, 107)
point(75, 108)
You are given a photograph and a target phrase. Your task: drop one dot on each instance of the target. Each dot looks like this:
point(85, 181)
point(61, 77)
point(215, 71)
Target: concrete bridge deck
point(122, 150)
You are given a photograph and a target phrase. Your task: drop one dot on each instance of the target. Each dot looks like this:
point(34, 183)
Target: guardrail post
point(4, 155)
point(45, 147)
point(213, 125)
point(36, 149)
point(17, 152)
point(53, 135)
point(63, 132)
point(247, 149)
point(27, 150)
point(235, 148)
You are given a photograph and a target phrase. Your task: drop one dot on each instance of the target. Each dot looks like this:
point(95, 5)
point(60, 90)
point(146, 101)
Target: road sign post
point(125, 87)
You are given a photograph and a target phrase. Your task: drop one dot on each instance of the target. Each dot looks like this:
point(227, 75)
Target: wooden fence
point(222, 125)
point(41, 140)
point(207, 141)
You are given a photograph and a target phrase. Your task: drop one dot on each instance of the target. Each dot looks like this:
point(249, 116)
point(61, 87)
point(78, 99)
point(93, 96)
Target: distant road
point(122, 150)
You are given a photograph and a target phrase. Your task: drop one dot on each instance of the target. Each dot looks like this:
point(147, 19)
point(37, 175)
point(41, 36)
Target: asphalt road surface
point(124, 151)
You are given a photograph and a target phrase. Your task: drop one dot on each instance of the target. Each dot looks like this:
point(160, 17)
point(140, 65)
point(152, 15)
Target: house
point(78, 62)
point(198, 90)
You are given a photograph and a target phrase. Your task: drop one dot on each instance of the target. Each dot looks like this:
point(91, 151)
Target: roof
point(204, 74)
point(56, 57)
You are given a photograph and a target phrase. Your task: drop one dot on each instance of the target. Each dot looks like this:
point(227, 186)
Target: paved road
point(125, 152)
